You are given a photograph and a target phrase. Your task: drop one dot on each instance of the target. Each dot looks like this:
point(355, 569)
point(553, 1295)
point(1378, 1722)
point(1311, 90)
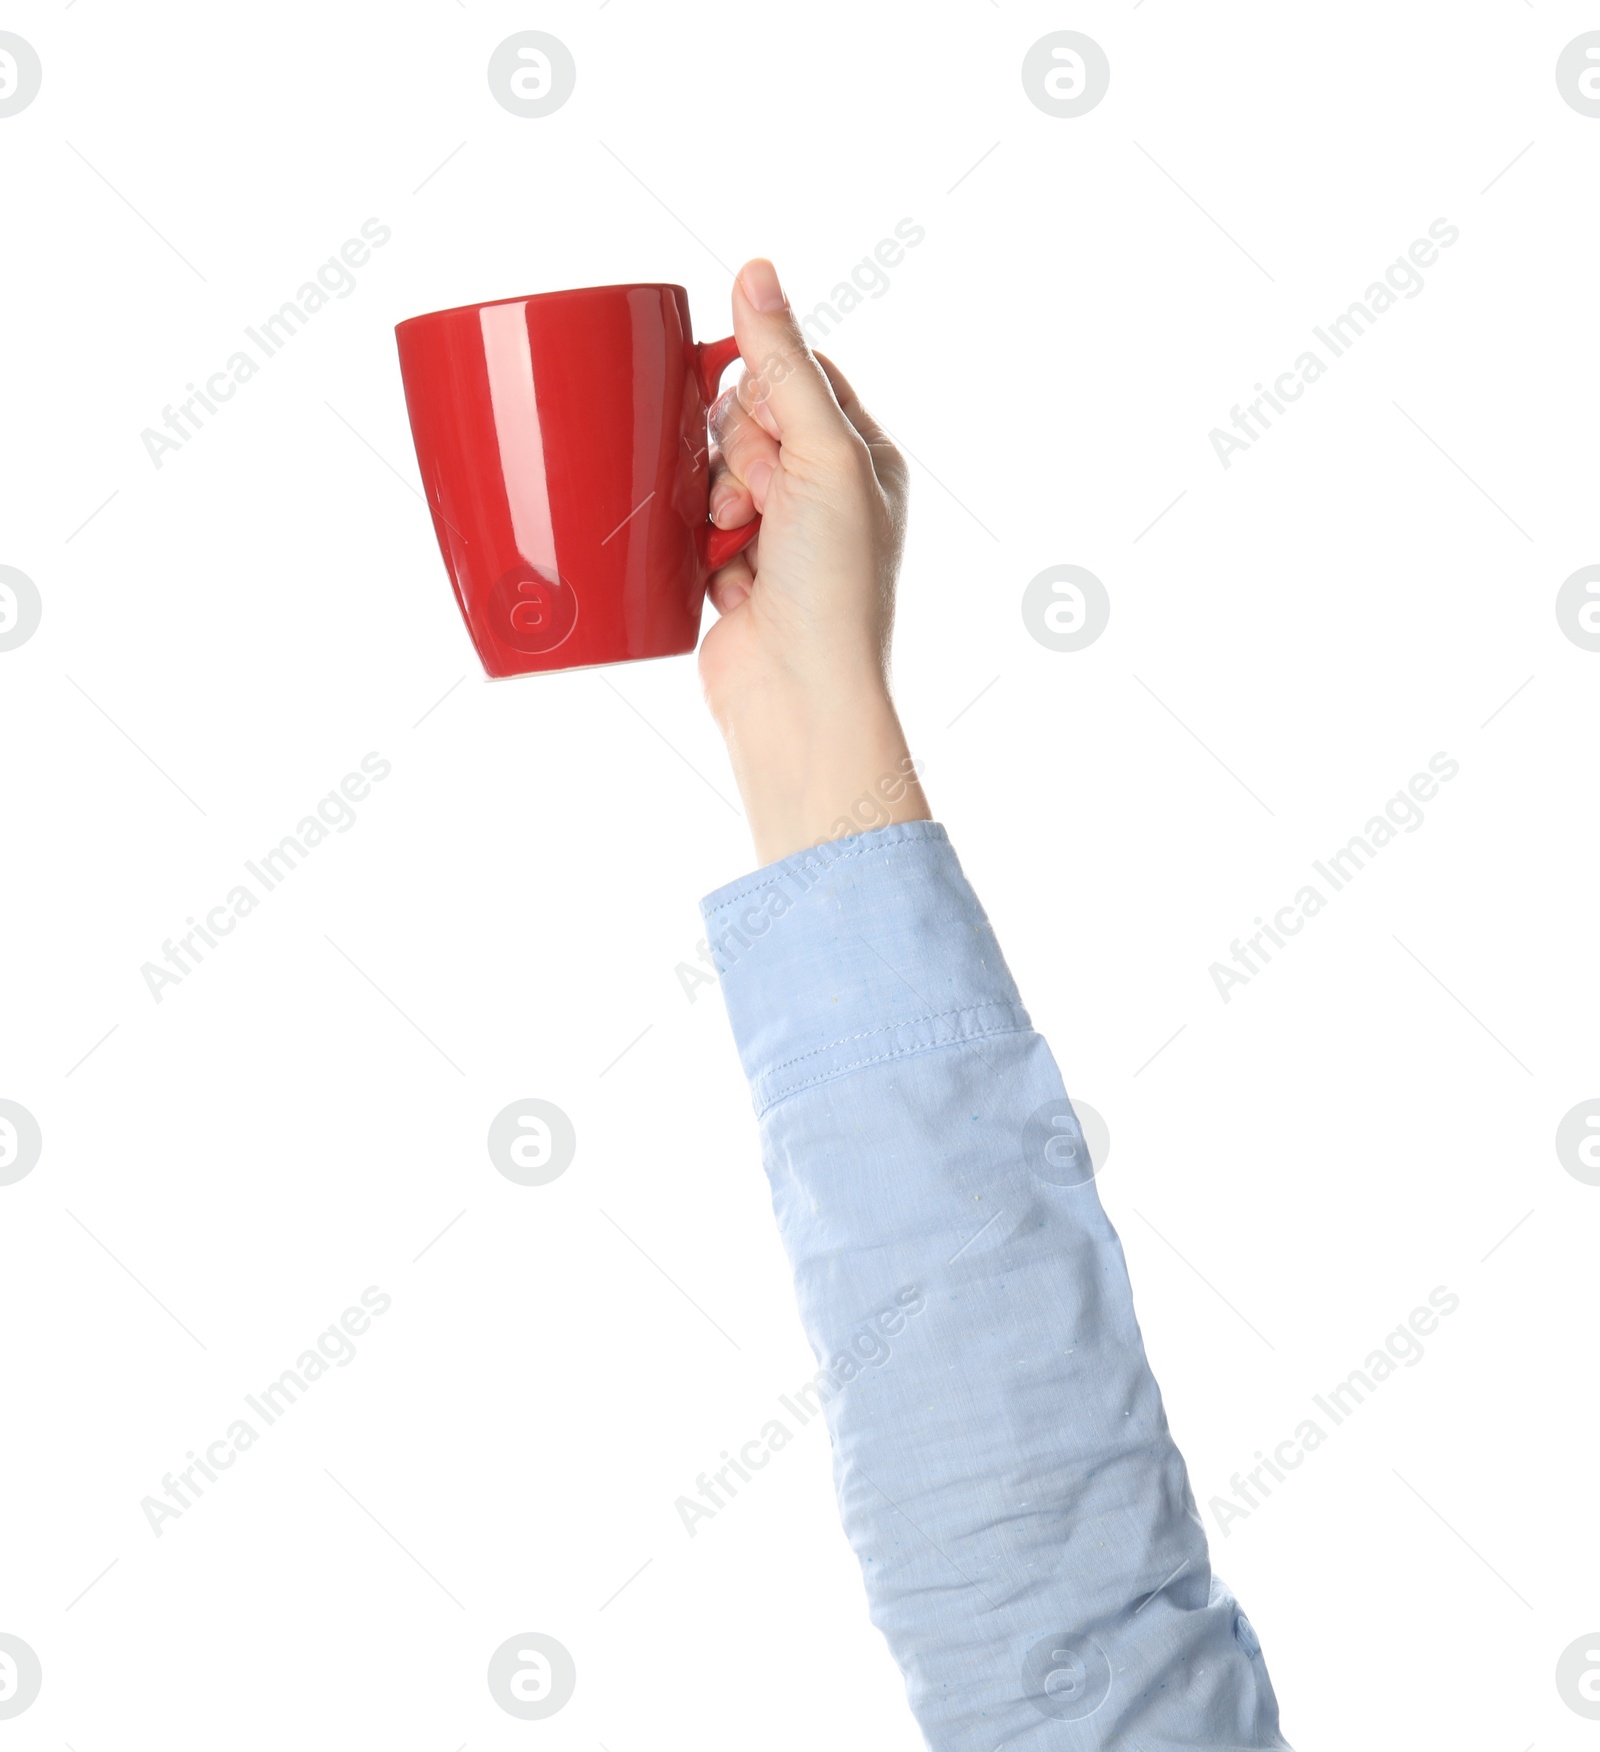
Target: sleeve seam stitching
point(887, 1027)
point(880, 1058)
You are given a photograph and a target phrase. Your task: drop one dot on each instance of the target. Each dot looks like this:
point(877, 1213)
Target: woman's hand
point(796, 670)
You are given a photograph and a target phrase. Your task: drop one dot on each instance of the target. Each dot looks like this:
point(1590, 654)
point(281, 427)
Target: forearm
point(1004, 1468)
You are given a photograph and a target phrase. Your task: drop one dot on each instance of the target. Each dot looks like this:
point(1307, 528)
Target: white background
point(224, 638)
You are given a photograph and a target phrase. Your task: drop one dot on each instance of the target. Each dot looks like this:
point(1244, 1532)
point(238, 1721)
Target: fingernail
point(721, 503)
point(761, 285)
point(758, 480)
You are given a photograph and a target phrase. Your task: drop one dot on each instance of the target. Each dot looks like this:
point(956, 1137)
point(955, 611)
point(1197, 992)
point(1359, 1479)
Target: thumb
point(784, 388)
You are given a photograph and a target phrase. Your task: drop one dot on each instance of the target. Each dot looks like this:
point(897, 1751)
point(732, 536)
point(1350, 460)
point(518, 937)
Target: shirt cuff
point(855, 952)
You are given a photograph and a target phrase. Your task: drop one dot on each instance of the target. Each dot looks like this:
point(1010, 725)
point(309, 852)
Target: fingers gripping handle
point(722, 544)
point(718, 546)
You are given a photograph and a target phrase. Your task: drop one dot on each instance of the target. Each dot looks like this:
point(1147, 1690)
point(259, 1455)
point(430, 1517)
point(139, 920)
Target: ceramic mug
point(563, 448)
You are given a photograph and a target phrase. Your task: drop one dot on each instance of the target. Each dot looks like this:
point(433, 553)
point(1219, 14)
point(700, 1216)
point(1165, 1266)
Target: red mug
point(563, 448)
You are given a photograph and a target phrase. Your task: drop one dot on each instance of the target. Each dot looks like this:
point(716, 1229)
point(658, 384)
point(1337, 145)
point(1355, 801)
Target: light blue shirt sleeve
point(1024, 1522)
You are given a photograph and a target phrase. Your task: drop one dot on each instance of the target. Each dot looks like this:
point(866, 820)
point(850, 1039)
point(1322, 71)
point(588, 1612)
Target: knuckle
point(853, 456)
point(743, 445)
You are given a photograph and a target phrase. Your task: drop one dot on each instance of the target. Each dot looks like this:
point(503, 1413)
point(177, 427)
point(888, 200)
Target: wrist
point(821, 769)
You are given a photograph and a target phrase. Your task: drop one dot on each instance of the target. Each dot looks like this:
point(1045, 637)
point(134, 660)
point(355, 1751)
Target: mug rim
point(543, 297)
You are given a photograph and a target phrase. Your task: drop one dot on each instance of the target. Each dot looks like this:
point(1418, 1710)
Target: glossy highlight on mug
point(564, 455)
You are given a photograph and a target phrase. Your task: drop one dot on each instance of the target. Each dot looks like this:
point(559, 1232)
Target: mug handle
point(718, 546)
